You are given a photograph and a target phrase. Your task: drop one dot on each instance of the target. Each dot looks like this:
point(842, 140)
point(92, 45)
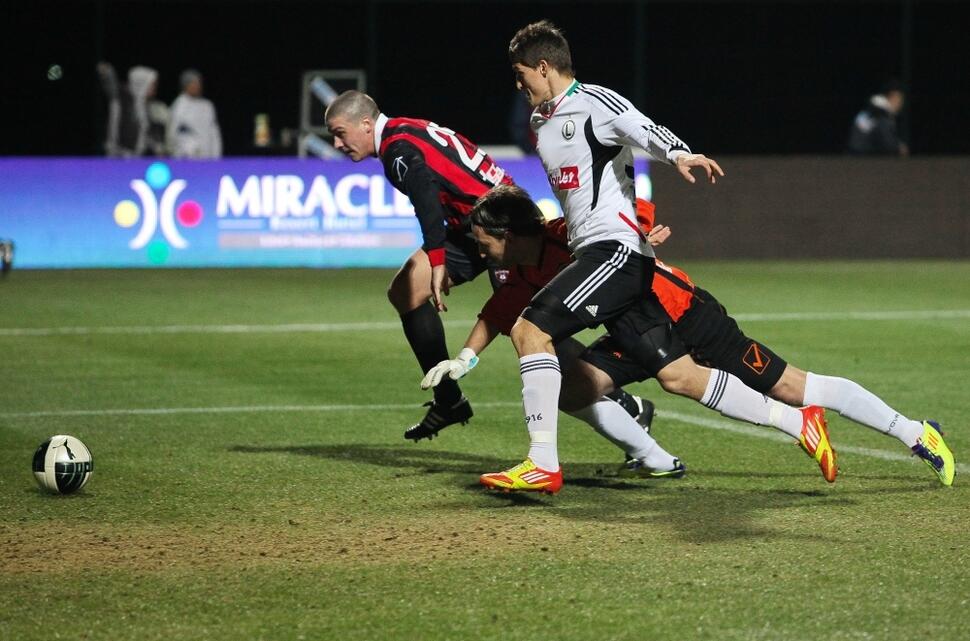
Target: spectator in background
point(136, 122)
point(193, 130)
point(874, 131)
point(520, 131)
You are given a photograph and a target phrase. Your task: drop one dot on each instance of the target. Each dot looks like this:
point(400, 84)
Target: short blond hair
point(353, 104)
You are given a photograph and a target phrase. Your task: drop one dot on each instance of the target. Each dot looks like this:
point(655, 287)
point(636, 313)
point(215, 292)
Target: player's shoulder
point(401, 124)
point(402, 136)
point(602, 99)
point(556, 237)
point(556, 229)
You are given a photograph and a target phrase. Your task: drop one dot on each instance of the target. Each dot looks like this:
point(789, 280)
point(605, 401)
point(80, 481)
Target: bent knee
point(684, 377)
point(676, 385)
point(529, 339)
point(409, 288)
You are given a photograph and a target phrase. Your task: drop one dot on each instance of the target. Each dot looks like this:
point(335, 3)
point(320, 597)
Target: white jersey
point(193, 130)
point(585, 137)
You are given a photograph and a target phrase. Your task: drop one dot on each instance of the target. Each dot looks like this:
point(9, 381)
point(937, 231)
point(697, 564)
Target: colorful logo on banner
point(158, 213)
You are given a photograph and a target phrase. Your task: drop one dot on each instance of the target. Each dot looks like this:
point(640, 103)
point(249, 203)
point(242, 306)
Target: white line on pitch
point(772, 434)
point(699, 421)
point(925, 314)
point(212, 329)
point(942, 314)
point(241, 409)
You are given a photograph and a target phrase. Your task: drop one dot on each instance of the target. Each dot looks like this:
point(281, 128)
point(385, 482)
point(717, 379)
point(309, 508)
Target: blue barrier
point(76, 213)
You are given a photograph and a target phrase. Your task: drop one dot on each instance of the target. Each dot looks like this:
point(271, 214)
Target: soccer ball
point(62, 464)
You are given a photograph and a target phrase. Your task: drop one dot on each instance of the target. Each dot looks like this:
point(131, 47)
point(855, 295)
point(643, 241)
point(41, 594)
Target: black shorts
point(632, 352)
point(464, 262)
point(713, 338)
point(605, 280)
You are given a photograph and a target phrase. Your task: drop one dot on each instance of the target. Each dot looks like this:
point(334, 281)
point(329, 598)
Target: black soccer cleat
point(645, 416)
point(438, 418)
point(644, 409)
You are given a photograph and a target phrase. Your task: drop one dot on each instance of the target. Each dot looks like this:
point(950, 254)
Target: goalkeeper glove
point(455, 368)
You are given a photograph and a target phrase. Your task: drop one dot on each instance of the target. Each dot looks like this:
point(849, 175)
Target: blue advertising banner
point(74, 213)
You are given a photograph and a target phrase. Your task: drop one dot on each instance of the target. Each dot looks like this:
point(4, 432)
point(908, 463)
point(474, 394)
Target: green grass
point(252, 507)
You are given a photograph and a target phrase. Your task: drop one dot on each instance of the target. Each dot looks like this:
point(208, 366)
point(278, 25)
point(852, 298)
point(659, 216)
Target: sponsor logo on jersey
point(400, 168)
point(502, 275)
point(592, 309)
point(565, 178)
point(754, 359)
point(568, 130)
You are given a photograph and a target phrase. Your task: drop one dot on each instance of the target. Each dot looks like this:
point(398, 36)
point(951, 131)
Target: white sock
point(855, 402)
point(732, 398)
point(541, 382)
point(610, 420)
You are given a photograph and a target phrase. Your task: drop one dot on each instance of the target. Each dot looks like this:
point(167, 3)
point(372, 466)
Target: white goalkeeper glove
point(455, 368)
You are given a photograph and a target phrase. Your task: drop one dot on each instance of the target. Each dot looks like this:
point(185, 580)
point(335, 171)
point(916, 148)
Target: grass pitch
point(251, 481)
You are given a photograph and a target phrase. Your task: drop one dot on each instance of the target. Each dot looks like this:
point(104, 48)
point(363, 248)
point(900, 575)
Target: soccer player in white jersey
point(585, 137)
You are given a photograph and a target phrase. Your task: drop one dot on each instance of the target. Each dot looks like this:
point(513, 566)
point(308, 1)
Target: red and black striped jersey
point(441, 171)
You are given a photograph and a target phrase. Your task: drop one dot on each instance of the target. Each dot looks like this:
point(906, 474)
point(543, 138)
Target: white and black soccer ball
point(62, 464)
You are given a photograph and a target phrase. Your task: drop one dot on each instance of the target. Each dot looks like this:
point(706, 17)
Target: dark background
point(729, 77)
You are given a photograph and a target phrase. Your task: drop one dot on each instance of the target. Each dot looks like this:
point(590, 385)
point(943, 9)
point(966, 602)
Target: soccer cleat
point(524, 477)
point(438, 418)
point(815, 441)
point(932, 449)
point(645, 416)
point(635, 467)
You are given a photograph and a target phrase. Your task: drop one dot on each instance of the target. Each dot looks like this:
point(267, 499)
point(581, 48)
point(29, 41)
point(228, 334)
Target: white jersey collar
point(546, 110)
point(378, 131)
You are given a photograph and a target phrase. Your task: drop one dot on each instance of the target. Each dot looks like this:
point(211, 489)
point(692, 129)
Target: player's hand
point(686, 161)
point(658, 235)
point(455, 368)
point(439, 287)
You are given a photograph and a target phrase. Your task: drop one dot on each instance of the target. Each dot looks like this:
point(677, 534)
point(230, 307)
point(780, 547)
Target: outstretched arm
point(479, 338)
point(634, 128)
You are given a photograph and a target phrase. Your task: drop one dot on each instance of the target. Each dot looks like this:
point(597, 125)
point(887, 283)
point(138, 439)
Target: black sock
point(426, 335)
point(626, 401)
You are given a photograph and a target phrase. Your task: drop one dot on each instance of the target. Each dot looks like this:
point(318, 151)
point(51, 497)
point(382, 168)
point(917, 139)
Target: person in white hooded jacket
point(136, 120)
point(193, 130)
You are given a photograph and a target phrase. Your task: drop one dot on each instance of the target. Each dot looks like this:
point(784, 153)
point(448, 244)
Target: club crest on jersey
point(502, 275)
point(564, 178)
point(568, 130)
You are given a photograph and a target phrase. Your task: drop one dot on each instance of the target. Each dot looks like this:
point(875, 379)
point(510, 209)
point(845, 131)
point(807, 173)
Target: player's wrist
point(679, 156)
point(468, 357)
point(436, 256)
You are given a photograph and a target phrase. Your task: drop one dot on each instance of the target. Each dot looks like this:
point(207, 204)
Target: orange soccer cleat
point(524, 477)
point(815, 441)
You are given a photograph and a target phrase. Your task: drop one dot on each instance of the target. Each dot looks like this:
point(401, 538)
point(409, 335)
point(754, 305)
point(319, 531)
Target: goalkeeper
point(609, 413)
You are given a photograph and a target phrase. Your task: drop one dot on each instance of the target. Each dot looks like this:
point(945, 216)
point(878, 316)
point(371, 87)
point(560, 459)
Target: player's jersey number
point(473, 158)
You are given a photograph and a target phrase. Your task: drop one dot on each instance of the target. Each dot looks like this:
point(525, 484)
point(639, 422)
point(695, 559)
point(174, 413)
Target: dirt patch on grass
point(64, 547)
